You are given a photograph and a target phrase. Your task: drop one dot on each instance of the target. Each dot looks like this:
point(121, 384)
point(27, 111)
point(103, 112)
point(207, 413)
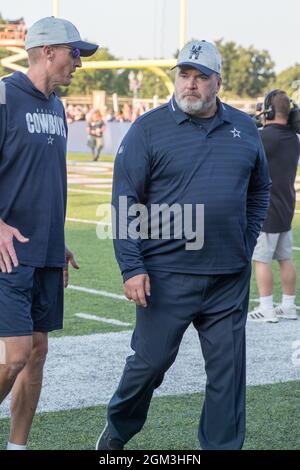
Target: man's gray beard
point(195, 107)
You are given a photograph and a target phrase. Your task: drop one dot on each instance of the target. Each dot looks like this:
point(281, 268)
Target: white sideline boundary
point(101, 293)
point(84, 371)
point(111, 321)
point(90, 163)
point(86, 221)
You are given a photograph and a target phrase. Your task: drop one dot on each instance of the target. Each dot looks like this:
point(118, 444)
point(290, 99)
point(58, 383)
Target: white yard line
point(88, 191)
point(98, 186)
point(78, 179)
point(86, 221)
point(89, 164)
point(89, 170)
point(102, 293)
point(111, 321)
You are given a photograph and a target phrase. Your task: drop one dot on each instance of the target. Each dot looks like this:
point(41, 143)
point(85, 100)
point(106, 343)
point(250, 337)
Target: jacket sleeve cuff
point(128, 274)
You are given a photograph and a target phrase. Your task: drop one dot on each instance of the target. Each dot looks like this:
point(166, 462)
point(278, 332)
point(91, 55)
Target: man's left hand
point(69, 259)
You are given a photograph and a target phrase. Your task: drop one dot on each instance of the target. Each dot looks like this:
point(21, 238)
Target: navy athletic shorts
point(31, 299)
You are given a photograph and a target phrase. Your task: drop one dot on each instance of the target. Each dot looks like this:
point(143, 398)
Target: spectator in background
point(95, 131)
point(137, 111)
point(79, 113)
point(69, 113)
point(110, 115)
point(119, 117)
point(76, 113)
point(127, 112)
point(89, 112)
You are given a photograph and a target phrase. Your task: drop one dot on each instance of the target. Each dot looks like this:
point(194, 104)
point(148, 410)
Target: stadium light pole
point(182, 38)
point(55, 8)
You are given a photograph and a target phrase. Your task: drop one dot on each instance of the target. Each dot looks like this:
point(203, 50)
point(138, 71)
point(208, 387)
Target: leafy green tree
point(288, 80)
point(246, 71)
point(110, 80)
point(230, 54)
point(152, 85)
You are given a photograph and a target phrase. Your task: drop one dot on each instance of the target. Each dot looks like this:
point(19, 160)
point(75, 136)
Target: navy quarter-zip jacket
point(168, 158)
point(33, 188)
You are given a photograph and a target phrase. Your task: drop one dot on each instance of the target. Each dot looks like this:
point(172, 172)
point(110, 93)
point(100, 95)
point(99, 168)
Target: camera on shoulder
point(293, 119)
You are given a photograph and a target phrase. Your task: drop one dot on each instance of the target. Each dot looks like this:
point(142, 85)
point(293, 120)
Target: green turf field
point(272, 423)
point(273, 410)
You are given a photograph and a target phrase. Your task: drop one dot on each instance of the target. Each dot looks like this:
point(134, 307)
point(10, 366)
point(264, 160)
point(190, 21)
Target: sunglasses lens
point(76, 53)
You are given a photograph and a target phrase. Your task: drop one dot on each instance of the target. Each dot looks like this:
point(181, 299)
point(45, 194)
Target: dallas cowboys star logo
point(235, 133)
point(50, 140)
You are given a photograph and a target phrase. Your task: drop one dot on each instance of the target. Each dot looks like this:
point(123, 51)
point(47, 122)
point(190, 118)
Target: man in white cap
point(33, 256)
point(202, 163)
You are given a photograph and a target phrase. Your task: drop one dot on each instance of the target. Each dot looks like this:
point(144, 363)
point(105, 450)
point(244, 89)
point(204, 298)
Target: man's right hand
point(136, 288)
point(8, 255)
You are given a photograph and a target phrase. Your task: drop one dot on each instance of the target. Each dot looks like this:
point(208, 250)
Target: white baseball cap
point(201, 55)
point(51, 31)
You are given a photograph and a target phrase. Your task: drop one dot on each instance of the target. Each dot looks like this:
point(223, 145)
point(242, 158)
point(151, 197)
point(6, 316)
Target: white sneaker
point(263, 315)
point(289, 313)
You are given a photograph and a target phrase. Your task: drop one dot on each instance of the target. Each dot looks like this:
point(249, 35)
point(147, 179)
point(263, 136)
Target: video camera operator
point(282, 149)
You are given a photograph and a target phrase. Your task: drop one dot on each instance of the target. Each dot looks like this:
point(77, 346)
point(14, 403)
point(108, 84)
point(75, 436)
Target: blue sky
point(150, 28)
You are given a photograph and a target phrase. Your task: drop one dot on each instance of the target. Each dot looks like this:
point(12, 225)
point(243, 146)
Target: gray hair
point(34, 55)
